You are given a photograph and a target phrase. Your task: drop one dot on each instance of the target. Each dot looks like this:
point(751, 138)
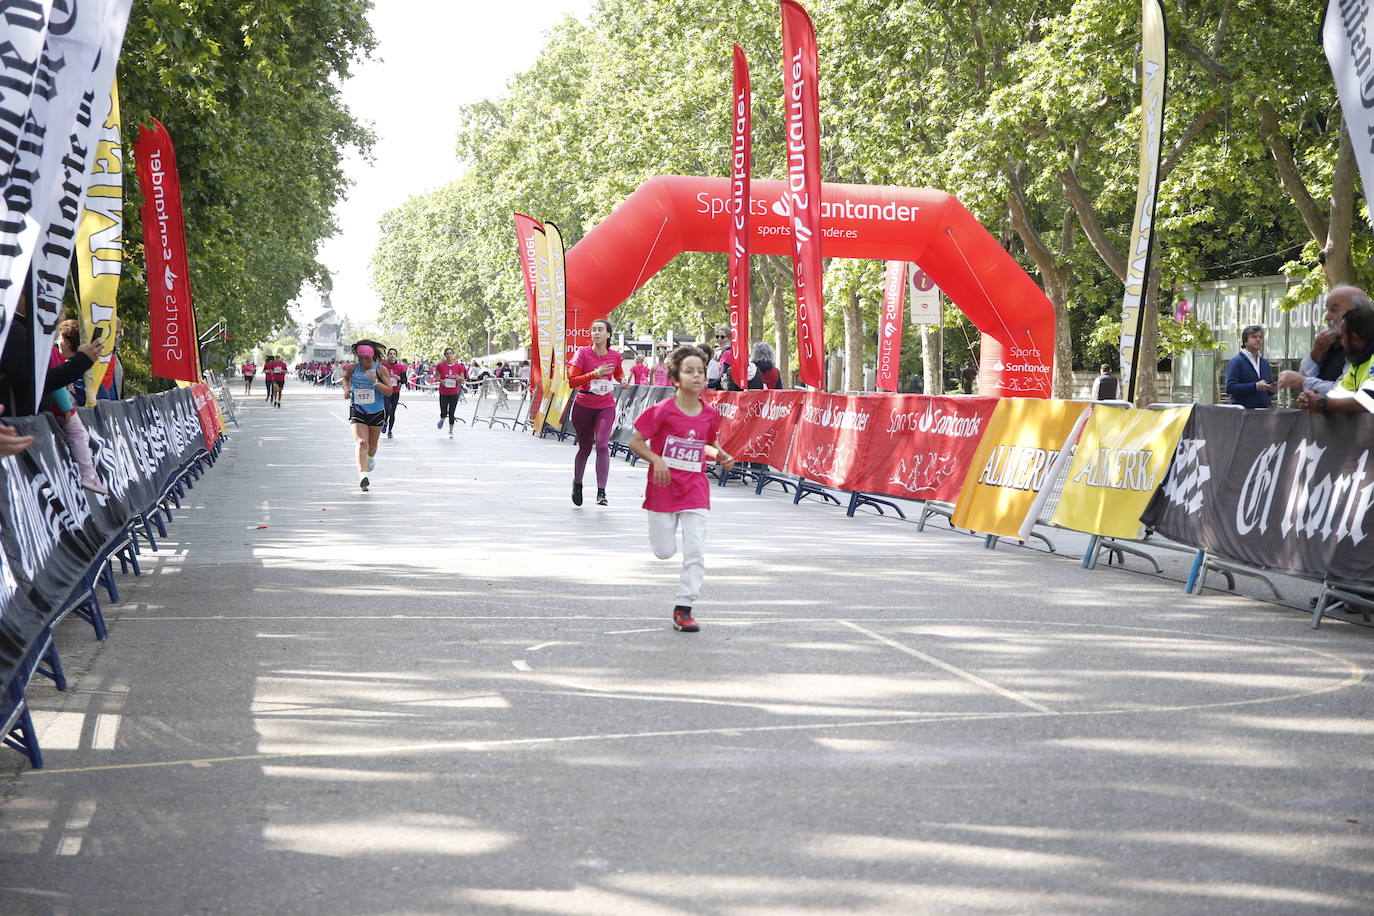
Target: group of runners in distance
point(676, 436)
point(274, 373)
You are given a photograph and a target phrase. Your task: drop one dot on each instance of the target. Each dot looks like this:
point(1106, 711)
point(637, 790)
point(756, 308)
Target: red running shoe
point(682, 620)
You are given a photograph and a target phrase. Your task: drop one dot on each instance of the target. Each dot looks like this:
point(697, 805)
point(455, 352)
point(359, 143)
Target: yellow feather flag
point(100, 246)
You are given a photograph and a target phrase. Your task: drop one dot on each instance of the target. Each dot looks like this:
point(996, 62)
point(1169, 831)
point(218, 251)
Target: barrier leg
point(1198, 560)
point(107, 578)
point(54, 670)
point(89, 611)
point(1090, 555)
point(21, 735)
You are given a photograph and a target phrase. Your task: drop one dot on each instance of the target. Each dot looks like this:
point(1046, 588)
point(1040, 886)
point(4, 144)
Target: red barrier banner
point(920, 446)
point(207, 411)
point(741, 150)
point(827, 443)
point(802, 202)
point(890, 327)
point(172, 339)
point(757, 425)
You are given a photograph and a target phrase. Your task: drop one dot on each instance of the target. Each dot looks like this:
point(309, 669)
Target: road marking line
point(543, 645)
point(521, 665)
point(639, 630)
point(957, 672)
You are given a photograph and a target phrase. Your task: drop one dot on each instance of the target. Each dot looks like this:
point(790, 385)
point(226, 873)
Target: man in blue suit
point(1249, 381)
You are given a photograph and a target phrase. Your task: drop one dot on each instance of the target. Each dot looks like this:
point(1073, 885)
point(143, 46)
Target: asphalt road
point(459, 694)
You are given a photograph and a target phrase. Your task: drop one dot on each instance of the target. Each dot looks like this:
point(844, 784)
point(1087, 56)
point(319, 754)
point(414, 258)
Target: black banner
point(52, 529)
point(1274, 489)
point(632, 401)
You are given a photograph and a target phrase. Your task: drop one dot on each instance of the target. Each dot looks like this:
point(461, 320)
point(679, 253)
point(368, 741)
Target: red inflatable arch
point(671, 214)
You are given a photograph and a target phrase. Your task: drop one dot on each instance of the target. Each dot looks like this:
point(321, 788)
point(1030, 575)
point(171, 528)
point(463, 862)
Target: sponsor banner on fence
point(51, 529)
point(827, 440)
point(920, 446)
point(1121, 459)
point(99, 255)
point(1013, 463)
point(756, 425)
point(632, 401)
point(1274, 489)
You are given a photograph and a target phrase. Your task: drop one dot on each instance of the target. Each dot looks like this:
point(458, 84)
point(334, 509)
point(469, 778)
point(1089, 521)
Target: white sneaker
point(93, 484)
point(450, 434)
point(371, 463)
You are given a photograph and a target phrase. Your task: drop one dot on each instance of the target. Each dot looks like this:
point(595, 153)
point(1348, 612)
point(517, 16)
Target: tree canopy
point(249, 91)
point(1028, 112)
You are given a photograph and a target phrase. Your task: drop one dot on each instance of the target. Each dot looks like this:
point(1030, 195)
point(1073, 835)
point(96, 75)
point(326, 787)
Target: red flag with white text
point(526, 232)
point(172, 339)
point(801, 103)
point(741, 148)
point(890, 327)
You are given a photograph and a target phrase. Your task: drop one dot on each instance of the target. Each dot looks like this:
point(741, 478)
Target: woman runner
point(366, 383)
point(397, 369)
point(248, 370)
point(449, 375)
point(593, 413)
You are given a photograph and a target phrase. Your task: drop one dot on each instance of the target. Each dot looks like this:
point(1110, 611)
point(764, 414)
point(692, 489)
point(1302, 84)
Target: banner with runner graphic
point(756, 426)
point(1274, 489)
point(100, 246)
point(1013, 463)
point(801, 104)
point(890, 328)
point(920, 446)
point(1121, 459)
point(172, 338)
point(828, 436)
point(741, 149)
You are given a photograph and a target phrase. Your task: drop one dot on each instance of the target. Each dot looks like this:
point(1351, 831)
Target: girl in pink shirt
point(594, 372)
point(640, 372)
point(677, 436)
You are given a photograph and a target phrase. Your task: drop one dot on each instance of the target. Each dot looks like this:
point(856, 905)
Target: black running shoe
point(363, 484)
point(601, 498)
point(577, 494)
point(682, 620)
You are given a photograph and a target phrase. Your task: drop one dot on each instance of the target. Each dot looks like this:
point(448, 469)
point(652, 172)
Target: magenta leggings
point(593, 427)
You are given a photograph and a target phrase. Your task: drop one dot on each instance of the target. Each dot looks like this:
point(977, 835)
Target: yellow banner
point(543, 304)
point(100, 247)
point(559, 402)
point(558, 284)
point(1013, 462)
point(1122, 458)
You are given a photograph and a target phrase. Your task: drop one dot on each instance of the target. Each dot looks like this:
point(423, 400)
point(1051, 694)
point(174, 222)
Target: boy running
point(676, 436)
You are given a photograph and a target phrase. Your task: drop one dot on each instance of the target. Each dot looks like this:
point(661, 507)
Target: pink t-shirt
point(682, 441)
point(640, 373)
point(597, 392)
point(448, 376)
point(660, 374)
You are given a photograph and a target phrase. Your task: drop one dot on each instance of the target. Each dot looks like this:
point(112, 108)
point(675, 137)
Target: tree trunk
point(1063, 347)
point(780, 335)
point(933, 358)
point(1147, 373)
point(756, 310)
point(853, 343)
point(1338, 266)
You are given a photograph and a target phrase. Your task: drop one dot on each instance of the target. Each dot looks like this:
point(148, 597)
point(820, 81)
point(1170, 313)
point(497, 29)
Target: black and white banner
point(1274, 489)
point(631, 401)
point(52, 529)
point(59, 59)
point(1347, 27)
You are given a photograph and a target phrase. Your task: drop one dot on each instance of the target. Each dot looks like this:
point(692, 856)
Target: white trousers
point(663, 528)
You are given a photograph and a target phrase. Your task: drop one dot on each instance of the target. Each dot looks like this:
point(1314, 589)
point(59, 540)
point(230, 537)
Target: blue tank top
point(365, 397)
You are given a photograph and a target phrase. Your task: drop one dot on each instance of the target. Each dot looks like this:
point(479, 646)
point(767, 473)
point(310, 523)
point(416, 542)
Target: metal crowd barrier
point(499, 402)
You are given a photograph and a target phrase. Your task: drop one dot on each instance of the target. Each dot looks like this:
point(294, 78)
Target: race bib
point(601, 386)
point(450, 383)
point(364, 396)
point(684, 454)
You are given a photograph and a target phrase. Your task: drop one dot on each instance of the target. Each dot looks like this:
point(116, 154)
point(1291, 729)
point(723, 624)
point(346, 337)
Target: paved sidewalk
point(459, 694)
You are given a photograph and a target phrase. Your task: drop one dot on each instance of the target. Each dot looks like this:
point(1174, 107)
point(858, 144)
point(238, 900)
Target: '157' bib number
point(364, 396)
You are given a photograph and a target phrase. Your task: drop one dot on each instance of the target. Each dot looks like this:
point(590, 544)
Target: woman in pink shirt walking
point(677, 436)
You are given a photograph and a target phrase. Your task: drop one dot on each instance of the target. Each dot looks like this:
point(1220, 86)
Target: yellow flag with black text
point(1014, 462)
point(99, 253)
point(1121, 460)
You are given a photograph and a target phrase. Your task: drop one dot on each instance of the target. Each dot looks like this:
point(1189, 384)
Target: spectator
point(78, 440)
point(1355, 391)
point(967, 376)
point(1106, 387)
point(917, 385)
point(1325, 365)
point(1249, 380)
point(767, 374)
point(17, 376)
point(720, 362)
point(639, 372)
point(11, 443)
